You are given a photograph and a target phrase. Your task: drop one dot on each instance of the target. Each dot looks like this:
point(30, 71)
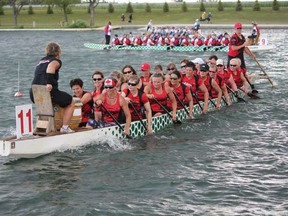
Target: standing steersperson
point(47, 74)
point(107, 32)
point(237, 47)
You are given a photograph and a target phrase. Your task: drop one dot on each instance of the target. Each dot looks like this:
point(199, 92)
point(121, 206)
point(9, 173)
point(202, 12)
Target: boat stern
point(5, 147)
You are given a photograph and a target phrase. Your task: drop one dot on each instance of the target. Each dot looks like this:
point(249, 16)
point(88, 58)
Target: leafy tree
point(165, 7)
point(220, 6)
point(275, 5)
point(1, 9)
point(16, 6)
point(147, 8)
point(64, 5)
point(202, 6)
point(239, 6)
point(129, 8)
point(92, 5)
point(184, 7)
point(256, 6)
point(30, 10)
point(110, 8)
point(50, 10)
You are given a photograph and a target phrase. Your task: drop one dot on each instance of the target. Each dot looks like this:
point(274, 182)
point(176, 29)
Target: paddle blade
point(239, 99)
point(253, 96)
point(177, 122)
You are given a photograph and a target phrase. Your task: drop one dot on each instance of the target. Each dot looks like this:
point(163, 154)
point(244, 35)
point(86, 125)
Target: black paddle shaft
point(115, 120)
point(140, 119)
point(169, 114)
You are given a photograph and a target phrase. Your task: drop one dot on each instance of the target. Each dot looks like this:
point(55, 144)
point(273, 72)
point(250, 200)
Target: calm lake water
point(230, 162)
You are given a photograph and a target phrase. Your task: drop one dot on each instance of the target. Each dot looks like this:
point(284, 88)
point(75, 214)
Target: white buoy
point(18, 93)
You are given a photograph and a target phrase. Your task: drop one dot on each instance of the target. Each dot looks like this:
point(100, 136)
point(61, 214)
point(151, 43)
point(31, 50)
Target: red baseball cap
point(145, 66)
point(238, 25)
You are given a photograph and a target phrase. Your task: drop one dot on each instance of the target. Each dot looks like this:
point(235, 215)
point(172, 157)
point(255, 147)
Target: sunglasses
point(173, 78)
point(97, 79)
point(183, 66)
point(109, 87)
point(127, 72)
point(132, 84)
point(169, 69)
point(232, 65)
point(239, 28)
point(219, 65)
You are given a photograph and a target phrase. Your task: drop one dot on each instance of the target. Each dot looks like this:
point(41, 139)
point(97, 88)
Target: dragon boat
point(254, 48)
point(36, 145)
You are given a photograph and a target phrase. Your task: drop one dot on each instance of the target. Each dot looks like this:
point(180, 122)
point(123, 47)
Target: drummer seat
point(44, 110)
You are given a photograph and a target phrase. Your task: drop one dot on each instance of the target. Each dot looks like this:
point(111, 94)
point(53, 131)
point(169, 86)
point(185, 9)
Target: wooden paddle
point(168, 113)
point(239, 99)
point(181, 102)
point(261, 68)
point(116, 121)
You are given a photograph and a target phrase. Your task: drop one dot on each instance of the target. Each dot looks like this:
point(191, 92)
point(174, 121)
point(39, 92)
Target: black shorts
point(61, 98)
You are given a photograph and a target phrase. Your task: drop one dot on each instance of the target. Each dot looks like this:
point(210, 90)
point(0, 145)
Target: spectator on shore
point(209, 17)
point(123, 18)
point(130, 18)
point(149, 26)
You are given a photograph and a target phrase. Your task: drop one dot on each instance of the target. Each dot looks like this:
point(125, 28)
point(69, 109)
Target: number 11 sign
point(24, 120)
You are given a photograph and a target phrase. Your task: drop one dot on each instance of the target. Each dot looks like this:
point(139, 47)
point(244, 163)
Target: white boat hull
point(31, 147)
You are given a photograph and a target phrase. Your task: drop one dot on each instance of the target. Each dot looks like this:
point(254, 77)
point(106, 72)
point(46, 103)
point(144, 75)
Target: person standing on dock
point(47, 74)
point(107, 32)
point(149, 26)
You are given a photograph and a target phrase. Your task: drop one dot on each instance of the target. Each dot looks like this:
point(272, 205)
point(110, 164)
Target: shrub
point(202, 6)
point(239, 6)
point(165, 7)
point(220, 6)
point(30, 10)
point(256, 6)
point(275, 5)
point(50, 10)
point(78, 24)
point(110, 8)
point(147, 8)
point(1, 10)
point(184, 7)
point(129, 8)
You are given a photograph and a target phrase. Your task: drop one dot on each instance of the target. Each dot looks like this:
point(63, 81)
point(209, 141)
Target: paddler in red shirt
point(237, 74)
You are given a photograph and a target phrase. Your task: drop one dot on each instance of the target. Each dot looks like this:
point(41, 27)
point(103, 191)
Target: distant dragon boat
point(254, 48)
point(36, 145)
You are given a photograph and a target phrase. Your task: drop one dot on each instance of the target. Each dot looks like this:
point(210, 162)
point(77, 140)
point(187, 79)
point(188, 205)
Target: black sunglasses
point(183, 66)
point(173, 78)
point(132, 84)
point(232, 65)
point(109, 87)
point(97, 79)
point(127, 72)
point(219, 65)
point(170, 69)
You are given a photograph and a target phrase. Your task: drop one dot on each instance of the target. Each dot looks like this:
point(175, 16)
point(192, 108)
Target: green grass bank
point(42, 20)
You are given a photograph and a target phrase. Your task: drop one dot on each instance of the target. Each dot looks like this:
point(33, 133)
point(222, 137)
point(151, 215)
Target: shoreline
point(143, 27)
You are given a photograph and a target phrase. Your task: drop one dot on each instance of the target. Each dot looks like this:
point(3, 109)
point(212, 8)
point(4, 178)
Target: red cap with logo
point(145, 66)
point(238, 25)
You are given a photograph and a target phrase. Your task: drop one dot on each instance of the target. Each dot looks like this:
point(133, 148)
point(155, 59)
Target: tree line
point(65, 5)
